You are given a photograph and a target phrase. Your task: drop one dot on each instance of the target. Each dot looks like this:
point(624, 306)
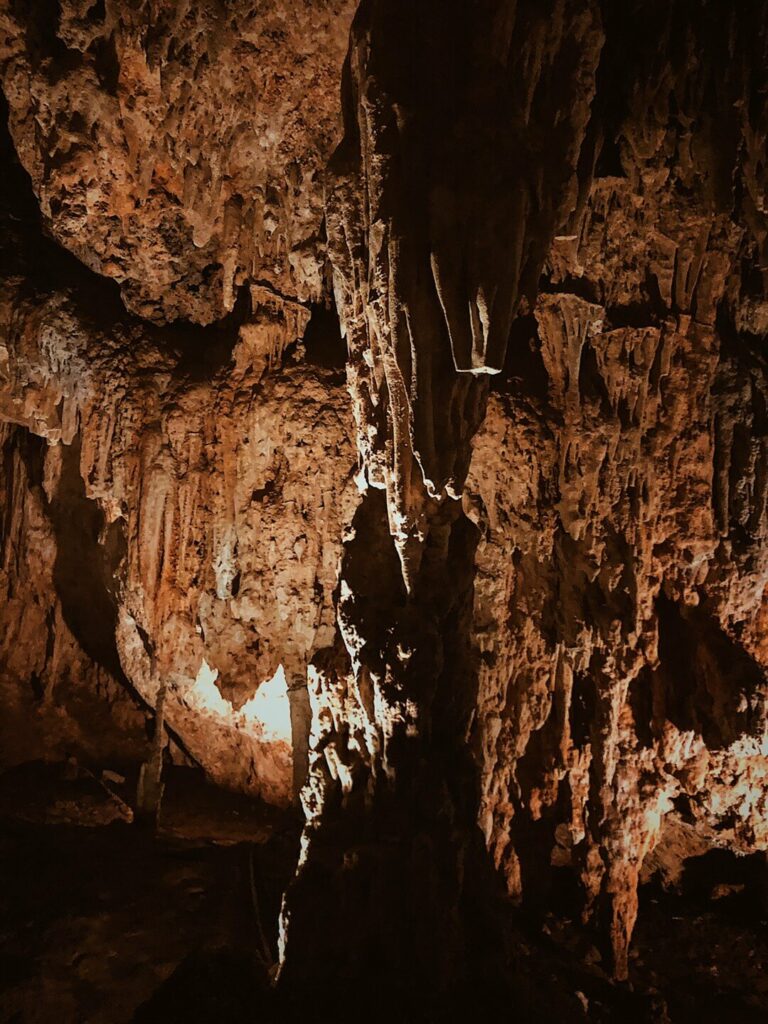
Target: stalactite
point(400, 431)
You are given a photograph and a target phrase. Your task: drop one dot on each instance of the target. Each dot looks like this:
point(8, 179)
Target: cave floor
point(110, 923)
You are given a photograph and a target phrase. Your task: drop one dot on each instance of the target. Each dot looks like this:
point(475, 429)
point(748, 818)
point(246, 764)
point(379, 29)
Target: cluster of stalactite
point(618, 479)
point(516, 584)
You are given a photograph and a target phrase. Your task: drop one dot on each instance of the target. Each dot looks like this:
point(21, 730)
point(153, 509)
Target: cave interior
point(383, 511)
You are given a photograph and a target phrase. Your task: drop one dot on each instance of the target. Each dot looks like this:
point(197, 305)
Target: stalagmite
point(149, 791)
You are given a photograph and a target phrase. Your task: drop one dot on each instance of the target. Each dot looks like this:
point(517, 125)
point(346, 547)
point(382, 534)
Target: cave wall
point(59, 699)
point(216, 521)
point(622, 680)
point(492, 580)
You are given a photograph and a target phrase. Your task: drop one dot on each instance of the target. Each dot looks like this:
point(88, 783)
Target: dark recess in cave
point(523, 371)
point(706, 682)
point(88, 558)
point(609, 161)
point(323, 342)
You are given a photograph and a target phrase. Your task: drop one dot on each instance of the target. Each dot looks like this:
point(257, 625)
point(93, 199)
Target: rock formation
point(420, 458)
point(179, 148)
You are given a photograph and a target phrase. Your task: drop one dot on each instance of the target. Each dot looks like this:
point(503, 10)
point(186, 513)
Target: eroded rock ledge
point(492, 599)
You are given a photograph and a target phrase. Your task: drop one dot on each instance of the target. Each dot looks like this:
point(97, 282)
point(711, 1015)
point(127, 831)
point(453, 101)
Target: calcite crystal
point(481, 587)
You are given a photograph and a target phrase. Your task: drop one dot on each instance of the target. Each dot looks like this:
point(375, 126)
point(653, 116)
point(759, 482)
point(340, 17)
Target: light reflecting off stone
point(205, 695)
point(266, 716)
point(269, 711)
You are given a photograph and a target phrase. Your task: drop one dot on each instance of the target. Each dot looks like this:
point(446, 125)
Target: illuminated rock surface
point(179, 148)
point(472, 574)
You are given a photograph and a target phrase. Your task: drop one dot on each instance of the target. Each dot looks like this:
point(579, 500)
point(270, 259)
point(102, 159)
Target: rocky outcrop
point(431, 262)
point(622, 567)
point(418, 222)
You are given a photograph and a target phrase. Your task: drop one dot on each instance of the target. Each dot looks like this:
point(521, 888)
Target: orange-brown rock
point(58, 698)
point(486, 581)
point(179, 148)
point(220, 501)
point(622, 684)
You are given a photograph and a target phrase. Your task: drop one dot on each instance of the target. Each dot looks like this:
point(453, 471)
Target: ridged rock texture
point(405, 425)
point(178, 147)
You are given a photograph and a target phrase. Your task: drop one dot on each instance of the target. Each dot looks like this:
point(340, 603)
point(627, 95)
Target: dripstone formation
point(386, 387)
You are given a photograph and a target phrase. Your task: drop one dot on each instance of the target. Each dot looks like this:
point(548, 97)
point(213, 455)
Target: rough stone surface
point(179, 148)
point(208, 511)
point(498, 595)
point(57, 699)
point(622, 568)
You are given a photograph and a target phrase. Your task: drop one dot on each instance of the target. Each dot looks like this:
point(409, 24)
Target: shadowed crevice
point(322, 338)
point(705, 682)
point(88, 556)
